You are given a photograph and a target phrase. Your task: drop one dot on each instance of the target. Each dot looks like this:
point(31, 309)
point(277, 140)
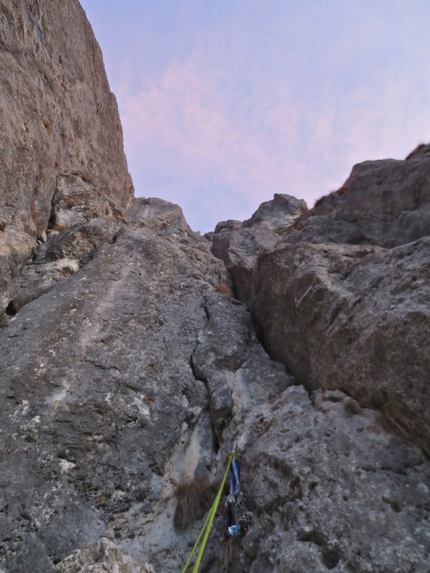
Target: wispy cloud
point(227, 107)
point(186, 117)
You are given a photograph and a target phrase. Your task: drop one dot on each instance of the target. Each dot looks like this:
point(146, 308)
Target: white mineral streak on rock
point(102, 557)
point(65, 466)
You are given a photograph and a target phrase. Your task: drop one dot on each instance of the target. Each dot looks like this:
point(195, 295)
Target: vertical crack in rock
point(307, 455)
point(194, 368)
point(199, 375)
point(340, 296)
point(124, 387)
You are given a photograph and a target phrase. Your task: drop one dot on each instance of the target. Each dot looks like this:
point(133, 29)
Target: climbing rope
point(207, 526)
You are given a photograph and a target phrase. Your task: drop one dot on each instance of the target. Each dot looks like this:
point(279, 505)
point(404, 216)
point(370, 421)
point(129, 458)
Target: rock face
point(342, 298)
point(125, 390)
point(101, 557)
point(60, 129)
point(334, 492)
point(129, 371)
point(384, 203)
point(142, 377)
point(105, 396)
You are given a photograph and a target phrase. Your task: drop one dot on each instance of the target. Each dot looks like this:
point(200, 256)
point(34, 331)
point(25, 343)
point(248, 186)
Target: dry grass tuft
point(195, 497)
point(61, 227)
point(319, 201)
point(408, 426)
point(342, 190)
point(223, 289)
point(71, 202)
point(352, 406)
point(416, 150)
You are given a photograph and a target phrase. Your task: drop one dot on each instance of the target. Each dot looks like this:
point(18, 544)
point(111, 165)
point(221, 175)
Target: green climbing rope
point(207, 526)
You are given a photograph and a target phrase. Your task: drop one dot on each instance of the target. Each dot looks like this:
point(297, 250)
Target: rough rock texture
point(109, 370)
point(240, 244)
point(385, 203)
point(128, 371)
point(101, 557)
point(343, 299)
point(59, 126)
point(332, 491)
point(60, 256)
point(142, 377)
point(104, 405)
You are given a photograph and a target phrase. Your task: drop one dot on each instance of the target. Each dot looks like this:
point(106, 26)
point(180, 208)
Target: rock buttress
point(58, 119)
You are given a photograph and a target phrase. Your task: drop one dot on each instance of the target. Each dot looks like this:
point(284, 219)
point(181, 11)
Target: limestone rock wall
point(130, 368)
point(341, 296)
point(98, 399)
point(58, 119)
point(133, 378)
point(385, 203)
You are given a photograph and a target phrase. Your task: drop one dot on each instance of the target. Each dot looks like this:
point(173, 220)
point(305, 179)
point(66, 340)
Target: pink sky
point(225, 103)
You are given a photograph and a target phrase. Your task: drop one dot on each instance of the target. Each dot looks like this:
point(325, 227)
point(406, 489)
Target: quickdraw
point(237, 516)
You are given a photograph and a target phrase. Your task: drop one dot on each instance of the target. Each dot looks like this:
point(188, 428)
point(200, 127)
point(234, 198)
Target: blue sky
point(225, 102)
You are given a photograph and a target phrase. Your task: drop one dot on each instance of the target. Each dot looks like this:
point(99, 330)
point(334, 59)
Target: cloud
point(255, 106)
point(187, 117)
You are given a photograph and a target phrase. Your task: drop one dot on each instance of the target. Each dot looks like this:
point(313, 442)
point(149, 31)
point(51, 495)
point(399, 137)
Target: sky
point(226, 102)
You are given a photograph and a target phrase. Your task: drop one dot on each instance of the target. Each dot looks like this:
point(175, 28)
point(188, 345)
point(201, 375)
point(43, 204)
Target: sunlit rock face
point(130, 366)
point(60, 129)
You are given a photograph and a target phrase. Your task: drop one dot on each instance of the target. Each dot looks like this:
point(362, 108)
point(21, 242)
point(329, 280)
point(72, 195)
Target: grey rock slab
point(39, 279)
point(96, 386)
point(351, 317)
point(163, 217)
point(240, 245)
point(16, 248)
point(331, 491)
point(342, 298)
point(238, 376)
point(229, 358)
point(79, 242)
point(78, 200)
point(277, 214)
point(63, 254)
